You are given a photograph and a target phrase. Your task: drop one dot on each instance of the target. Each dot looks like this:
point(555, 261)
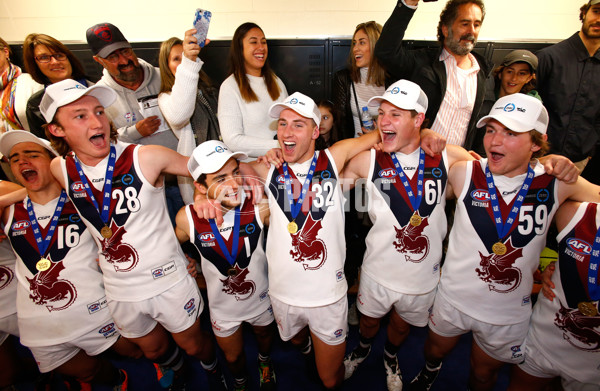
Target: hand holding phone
point(201, 23)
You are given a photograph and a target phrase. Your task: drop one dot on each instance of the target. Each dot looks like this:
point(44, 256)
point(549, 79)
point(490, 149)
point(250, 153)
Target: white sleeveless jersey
point(237, 292)
point(400, 256)
point(565, 336)
point(492, 288)
point(306, 268)
point(143, 257)
point(8, 282)
point(67, 300)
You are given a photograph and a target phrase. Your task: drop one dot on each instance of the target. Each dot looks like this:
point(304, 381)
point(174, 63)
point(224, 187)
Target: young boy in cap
point(62, 311)
point(305, 244)
point(505, 204)
point(233, 259)
point(564, 335)
point(407, 196)
point(118, 190)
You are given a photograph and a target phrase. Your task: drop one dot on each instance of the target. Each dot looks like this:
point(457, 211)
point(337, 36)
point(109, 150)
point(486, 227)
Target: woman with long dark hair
point(246, 95)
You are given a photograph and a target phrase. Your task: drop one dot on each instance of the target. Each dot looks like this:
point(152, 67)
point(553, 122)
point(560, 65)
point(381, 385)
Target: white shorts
point(8, 326)
point(225, 328)
point(375, 300)
point(536, 364)
point(176, 309)
point(329, 322)
point(502, 343)
point(93, 343)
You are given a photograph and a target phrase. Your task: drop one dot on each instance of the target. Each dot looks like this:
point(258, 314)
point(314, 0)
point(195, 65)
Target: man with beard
point(452, 77)
point(132, 79)
point(570, 88)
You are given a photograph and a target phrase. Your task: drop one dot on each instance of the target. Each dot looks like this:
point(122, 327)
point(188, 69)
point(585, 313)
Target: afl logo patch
point(280, 179)
point(77, 187)
point(480, 195)
point(20, 225)
point(579, 246)
point(190, 306)
point(387, 173)
point(206, 237)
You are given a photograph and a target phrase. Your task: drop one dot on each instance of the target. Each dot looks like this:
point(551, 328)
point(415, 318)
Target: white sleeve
point(178, 106)
point(232, 109)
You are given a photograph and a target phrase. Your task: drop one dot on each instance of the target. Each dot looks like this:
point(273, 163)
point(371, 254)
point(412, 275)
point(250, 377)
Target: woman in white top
point(363, 79)
point(15, 89)
point(246, 95)
point(187, 99)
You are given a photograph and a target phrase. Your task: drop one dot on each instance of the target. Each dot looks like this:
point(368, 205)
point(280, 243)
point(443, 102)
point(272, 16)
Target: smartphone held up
point(201, 23)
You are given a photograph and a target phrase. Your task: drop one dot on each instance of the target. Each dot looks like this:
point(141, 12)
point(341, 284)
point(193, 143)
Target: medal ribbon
point(236, 235)
point(43, 244)
point(107, 190)
point(295, 207)
point(415, 201)
point(503, 229)
point(593, 287)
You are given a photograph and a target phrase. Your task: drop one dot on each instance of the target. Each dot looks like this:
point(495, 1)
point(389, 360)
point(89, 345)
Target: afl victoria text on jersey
point(142, 258)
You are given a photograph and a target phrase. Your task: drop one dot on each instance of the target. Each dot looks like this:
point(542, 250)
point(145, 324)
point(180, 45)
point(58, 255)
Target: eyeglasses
point(48, 57)
point(114, 56)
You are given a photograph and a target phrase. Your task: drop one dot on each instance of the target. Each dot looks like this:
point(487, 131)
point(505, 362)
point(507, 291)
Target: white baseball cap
point(9, 139)
point(519, 113)
point(301, 104)
point(405, 95)
point(209, 157)
point(68, 91)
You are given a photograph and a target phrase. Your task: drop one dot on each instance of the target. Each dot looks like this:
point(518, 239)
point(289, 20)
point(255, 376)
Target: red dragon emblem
point(306, 245)
point(46, 288)
point(6, 276)
point(237, 284)
point(117, 252)
point(583, 332)
point(498, 270)
point(410, 240)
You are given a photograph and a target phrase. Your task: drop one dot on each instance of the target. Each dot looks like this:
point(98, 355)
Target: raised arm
point(356, 168)
point(178, 106)
point(399, 62)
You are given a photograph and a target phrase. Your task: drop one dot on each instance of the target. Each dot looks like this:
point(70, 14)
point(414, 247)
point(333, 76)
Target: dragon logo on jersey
point(583, 332)
point(6, 276)
point(306, 245)
point(498, 270)
point(46, 288)
point(236, 284)
point(118, 253)
point(410, 240)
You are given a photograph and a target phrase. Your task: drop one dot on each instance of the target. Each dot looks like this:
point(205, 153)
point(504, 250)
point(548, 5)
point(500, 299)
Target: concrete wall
point(154, 20)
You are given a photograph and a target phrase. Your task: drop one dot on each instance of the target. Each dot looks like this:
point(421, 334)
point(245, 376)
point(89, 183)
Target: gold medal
point(106, 232)
point(43, 264)
point(232, 272)
point(499, 248)
point(292, 227)
point(415, 220)
point(587, 308)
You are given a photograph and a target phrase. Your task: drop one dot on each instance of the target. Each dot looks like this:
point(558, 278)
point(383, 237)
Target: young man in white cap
point(305, 245)
point(505, 204)
point(233, 259)
point(564, 335)
point(59, 282)
point(407, 197)
point(118, 190)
